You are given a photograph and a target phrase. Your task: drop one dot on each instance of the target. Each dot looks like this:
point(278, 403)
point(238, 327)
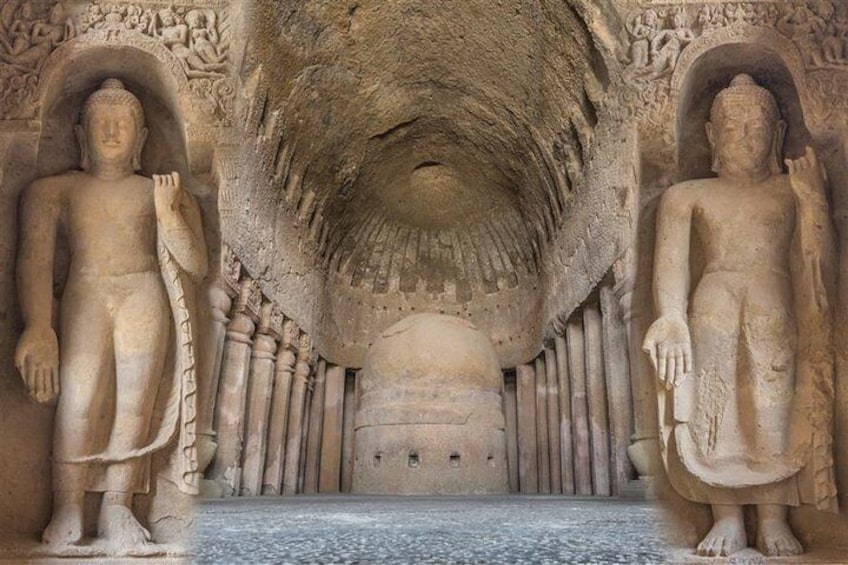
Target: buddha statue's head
point(111, 129)
point(745, 130)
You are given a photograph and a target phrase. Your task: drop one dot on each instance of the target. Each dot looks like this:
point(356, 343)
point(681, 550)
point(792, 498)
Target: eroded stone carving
point(198, 37)
point(429, 417)
point(660, 33)
point(745, 353)
point(134, 242)
point(27, 37)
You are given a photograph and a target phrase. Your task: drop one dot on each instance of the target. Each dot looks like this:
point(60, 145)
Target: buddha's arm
point(671, 257)
point(667, 341)
point(37, 352)
point(180, 225)
point(39, 219)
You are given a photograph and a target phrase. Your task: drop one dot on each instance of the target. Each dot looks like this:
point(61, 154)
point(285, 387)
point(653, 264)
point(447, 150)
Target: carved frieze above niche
point(659, 34)
point(191, 38)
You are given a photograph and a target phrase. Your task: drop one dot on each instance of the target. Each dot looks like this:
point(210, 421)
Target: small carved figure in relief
point(93, 17)
point(835, 43)
point(642, 29)
point(739, 13)
point(711, 17)
point(202, 62)
point(18, 32)
point(7, 14)
point(205, 40)
point(115, 15)
point(807, 30)
point(29, 54)
point(133, 241)
point(667, 45)
point(742, 346)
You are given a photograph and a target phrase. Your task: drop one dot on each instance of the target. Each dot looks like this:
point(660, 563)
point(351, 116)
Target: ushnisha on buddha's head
point(745, 130)
point(112, 131)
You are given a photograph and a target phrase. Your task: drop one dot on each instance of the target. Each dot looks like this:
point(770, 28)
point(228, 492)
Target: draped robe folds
point(752, 423)
point(175, 413)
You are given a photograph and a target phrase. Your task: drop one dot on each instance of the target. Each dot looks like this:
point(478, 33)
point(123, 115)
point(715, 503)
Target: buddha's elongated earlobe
point(777, 149)
point(85, 160)
point(142, 137)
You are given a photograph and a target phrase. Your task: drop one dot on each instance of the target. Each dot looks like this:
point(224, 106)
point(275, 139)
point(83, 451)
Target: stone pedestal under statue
point(430, 417)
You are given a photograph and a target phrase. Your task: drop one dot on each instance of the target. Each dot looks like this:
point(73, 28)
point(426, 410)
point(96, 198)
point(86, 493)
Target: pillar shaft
point(542, 445)
point(579, 406)
point(278, 421)
point(511, 418)
point(597, 400)
point(291, 465)
point(348, 431)
point(260, 390)
point(617, 370)
point(230, 408)
point(304, 433)
point(316, 426)
point(565, 421)
point(209, 366)
point(553, 420)
point(329, 475)
point(528, 471)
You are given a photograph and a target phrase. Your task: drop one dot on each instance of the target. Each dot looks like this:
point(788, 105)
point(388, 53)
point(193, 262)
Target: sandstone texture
point(429, 418)
point(550, 172)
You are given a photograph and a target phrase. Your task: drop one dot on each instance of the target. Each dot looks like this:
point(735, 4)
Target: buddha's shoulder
point(54, 186)
point(686, 192)
point(694, 185)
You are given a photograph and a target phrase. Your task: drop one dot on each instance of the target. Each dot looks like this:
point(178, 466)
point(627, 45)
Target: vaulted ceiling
point(428, 149)
point(438, 142)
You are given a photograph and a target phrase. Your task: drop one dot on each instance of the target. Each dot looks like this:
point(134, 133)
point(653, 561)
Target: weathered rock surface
point(429, 419)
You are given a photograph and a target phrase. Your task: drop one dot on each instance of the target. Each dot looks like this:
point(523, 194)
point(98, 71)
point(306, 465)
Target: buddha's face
point(112, 134)
point(744, 139)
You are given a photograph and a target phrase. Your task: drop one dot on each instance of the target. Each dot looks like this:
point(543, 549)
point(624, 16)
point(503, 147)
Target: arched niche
point(711, 72)
point(144, 76)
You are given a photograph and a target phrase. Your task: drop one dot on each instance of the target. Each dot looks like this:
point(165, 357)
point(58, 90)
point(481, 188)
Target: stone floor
point(411, 530)
point(397, 530)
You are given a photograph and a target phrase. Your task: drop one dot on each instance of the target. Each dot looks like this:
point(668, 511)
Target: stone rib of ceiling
point(430, 146)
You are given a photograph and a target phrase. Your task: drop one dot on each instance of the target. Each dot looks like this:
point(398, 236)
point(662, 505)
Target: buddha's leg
point(774, 536)
point(142, 325)
point(727, 534)
point(86, 363)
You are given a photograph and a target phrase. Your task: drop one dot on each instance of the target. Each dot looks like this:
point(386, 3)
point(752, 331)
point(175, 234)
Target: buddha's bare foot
point(117, 526)
point(775, 539)
point(727, 534)
point(65, 527)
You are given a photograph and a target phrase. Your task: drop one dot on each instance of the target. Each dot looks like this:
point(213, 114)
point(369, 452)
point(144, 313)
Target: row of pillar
point(272, 413)
point(569, 413)
point(279, 420)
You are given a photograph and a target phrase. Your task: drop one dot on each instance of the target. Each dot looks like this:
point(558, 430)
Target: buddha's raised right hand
point(668, 343)
point(37, 359)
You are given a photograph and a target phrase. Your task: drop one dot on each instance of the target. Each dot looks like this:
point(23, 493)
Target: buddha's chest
point(119, 208)
point(733, 216)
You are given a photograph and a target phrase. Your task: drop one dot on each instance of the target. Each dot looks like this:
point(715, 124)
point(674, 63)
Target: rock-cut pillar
point(272, 481)
point(232, 394)
point(259, 396)
point(291, 465)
